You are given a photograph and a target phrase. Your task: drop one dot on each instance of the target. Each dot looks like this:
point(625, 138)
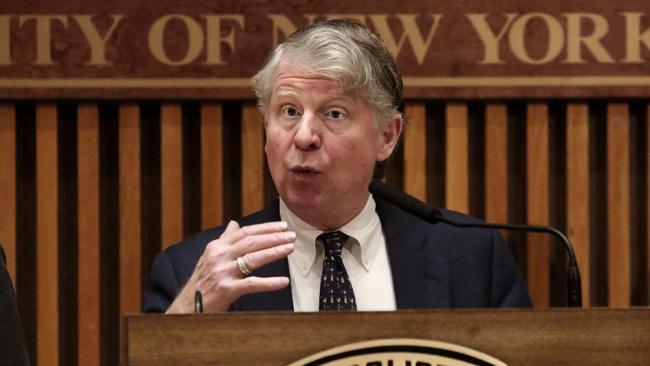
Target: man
point(12, 345)
point(329, 96)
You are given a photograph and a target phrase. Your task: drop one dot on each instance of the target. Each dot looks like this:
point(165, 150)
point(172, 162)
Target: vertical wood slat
point(537, 164)
point(88, 306)
point(578, 189)
point(171, 174)
point(648, 204)
point(252, 173)
point(457, 157)
point(496, 162)
point(211, 165)
point(130, 193)
point(47, 256)
point(415, 153)
point(618, 205)
point(8, 185)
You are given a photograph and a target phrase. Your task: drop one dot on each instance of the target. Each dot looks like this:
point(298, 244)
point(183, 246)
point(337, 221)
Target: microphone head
point(405, 201)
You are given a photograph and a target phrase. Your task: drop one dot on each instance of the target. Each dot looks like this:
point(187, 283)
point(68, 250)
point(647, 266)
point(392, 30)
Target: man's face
point(322, 146)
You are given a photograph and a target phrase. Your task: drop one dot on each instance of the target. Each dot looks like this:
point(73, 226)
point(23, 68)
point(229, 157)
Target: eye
point(290, 111)
point(336, 114)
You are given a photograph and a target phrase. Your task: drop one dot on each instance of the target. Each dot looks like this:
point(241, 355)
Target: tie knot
point(333, 242)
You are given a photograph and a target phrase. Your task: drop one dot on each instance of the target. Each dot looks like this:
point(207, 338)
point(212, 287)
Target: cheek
point(277, 147)
point(271, 148)
point(358, 157)
point(272, 151)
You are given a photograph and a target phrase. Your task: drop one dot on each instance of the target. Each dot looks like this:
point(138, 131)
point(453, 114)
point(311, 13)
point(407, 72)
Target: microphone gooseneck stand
point(433, 215)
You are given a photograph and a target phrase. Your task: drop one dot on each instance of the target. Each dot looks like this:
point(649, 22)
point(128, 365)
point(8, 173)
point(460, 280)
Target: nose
point(308, 133)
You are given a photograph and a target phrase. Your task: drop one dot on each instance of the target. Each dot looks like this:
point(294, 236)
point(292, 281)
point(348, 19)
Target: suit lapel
point(420, 280)
point(267, 301)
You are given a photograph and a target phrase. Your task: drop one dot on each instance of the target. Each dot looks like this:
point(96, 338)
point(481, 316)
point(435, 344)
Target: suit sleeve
point(12, 346)
point(508, 289)
point(165, 285)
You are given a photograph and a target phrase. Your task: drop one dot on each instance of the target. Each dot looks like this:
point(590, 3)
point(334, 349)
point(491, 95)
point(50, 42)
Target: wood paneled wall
point(91, 192)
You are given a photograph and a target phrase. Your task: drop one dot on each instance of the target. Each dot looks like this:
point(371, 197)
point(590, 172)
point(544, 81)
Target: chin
point(303, 197)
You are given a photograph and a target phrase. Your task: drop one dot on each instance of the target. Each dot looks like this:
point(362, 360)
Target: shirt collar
point(360, 229)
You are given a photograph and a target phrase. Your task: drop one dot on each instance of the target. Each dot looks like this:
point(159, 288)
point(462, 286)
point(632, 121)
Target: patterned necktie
point(335, 288)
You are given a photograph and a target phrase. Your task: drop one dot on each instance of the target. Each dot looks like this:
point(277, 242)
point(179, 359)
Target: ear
point(266, 132)
point(388, 137)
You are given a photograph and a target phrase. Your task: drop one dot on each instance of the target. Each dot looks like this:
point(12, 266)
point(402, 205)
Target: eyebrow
point(336, 97)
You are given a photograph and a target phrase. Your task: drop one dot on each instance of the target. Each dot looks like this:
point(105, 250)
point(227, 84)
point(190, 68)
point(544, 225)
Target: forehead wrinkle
point(281, 92)
point(329, 93)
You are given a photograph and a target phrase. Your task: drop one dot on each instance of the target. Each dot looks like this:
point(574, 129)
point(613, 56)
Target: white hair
point(340, 50)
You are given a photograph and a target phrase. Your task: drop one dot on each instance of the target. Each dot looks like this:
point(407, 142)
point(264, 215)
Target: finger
point(260, 258)
point(250, 285)
point(264, 228)
point(258, 242)
point(231, 228)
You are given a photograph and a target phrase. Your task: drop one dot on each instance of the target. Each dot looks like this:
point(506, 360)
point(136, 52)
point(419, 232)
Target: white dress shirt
point(364, 256)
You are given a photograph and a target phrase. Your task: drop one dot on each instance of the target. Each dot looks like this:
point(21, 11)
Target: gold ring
point(243, 266)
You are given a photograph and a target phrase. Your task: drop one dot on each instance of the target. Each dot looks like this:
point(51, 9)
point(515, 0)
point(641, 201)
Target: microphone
point(198, 302)
point(433, 215)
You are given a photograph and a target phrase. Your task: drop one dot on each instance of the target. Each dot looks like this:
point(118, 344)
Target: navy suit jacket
point(12, 345)
point(433, 266)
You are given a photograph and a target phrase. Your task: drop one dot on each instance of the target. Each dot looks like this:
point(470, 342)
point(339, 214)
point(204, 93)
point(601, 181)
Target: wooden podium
point(516, 337)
